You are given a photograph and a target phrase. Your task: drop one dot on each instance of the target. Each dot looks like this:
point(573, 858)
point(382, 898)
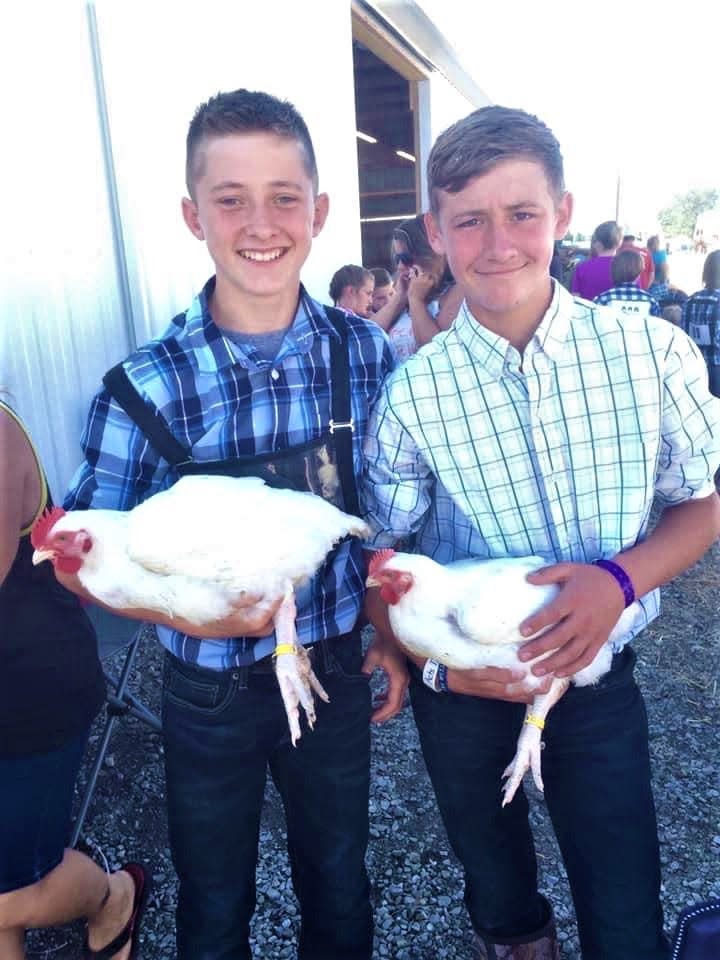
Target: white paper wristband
point(430, 673)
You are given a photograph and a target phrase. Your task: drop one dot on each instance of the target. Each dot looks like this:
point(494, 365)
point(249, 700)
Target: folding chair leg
point(92, 779)
point(119, 703)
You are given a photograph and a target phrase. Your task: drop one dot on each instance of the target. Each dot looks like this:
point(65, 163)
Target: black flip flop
point(143, 881)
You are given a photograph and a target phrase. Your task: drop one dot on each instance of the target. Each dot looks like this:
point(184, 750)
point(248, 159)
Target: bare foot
point(114, 915)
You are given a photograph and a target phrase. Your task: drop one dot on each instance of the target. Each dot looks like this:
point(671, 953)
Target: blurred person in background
point(51, 689)
point(701, 319)
point(351, 289)
point(384, 288)
point(626, 296)
point(594, 276)
point(663, 291)
point(658, 254)
point(647, 274)
point(425, 300)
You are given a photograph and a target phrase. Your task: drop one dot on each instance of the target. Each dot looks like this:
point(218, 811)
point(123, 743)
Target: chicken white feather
point(198, 549)
point(466, 615)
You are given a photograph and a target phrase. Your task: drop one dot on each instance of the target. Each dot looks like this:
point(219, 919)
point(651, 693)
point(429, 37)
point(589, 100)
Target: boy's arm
point(591, 600)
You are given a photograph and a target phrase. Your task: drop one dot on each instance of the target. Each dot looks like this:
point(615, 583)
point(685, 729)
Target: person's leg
point(12, 944)
point(41, 883)
point(215, 763)
point(597, 784)
point(467, 742)
point(324, 783)
point(77, 888)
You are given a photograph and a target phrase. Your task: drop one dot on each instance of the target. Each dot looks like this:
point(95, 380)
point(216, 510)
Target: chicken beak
point(372, 582)
point(41, 555)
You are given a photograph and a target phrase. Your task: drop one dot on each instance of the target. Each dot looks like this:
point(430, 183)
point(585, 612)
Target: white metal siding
point(95, 255)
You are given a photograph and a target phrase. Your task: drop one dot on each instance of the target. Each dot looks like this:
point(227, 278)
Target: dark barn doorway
point(387, 148)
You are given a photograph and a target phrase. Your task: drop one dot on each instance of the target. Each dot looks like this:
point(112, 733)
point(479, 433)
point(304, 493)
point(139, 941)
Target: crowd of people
point(411, 305)
point(632, 279)
point(508, 435)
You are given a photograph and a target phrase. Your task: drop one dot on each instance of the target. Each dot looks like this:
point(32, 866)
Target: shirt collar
point(214, 351)
point(491, 350)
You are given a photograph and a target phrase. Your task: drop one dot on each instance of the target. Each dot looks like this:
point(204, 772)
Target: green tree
point(680, 217)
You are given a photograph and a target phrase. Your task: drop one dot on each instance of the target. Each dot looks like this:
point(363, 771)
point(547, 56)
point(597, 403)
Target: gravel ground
point(417, 881)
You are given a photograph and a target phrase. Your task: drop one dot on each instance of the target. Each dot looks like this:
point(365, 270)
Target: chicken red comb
point(378, 560)
point(43, 525)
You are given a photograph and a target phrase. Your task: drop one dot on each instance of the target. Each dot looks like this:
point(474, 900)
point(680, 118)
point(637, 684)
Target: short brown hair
point(351, 275)
point(608, 234)
point(627, 265)
point(245, 111)
point(486, 137)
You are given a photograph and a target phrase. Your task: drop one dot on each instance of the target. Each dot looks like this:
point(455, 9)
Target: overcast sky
point(627, 88)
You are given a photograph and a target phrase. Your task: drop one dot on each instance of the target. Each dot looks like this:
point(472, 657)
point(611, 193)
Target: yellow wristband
point(535, 721)
point(283, 648)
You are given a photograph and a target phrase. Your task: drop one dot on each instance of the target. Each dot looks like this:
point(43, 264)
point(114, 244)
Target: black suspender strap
point(342, 425)
point(149, 421)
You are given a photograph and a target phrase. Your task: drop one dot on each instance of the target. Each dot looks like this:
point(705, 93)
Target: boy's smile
point(255, 207)
point(498, 234)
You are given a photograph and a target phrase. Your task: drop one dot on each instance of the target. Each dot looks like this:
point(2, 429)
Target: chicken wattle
point(466, 615)
point(201, 548)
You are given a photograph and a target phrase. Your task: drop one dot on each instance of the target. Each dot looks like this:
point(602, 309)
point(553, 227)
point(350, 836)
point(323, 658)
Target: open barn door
point(389, 84)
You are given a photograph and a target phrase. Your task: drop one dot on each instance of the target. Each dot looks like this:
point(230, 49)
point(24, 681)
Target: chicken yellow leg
point(293, 669)
point(529, 745)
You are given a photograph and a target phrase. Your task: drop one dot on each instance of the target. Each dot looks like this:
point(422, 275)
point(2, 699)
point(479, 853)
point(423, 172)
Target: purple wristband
point(623, 580)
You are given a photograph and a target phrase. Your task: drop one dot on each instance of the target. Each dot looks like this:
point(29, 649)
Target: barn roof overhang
point(407, 24)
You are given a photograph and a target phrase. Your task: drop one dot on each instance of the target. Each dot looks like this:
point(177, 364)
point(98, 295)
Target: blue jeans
point(36, 794)
point(221, 732)
point(596, 771)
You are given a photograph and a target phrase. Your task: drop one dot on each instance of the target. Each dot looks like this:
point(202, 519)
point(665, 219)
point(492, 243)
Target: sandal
point(142, 880)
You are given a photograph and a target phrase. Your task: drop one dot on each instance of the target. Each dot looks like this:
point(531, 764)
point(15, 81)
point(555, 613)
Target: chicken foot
point(529, 745)
point(293, 669)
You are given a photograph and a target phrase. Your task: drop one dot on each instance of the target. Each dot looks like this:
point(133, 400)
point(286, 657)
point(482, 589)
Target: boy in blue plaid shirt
point(244, 382)
point(540, 424)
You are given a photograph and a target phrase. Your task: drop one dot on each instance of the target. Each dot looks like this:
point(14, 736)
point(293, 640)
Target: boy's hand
point(495, 683)
point(580, 618)
point(385, 654)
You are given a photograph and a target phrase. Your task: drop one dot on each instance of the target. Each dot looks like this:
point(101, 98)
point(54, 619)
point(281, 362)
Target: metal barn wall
point(97, 97)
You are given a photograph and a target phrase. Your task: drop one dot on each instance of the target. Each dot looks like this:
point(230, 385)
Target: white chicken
point(197, 549)
point(466, 615)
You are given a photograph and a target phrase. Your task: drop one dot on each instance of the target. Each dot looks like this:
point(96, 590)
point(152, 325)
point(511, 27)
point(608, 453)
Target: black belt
point(320, 654)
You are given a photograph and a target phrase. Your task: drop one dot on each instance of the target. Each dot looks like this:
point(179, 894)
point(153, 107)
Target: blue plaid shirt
point(630, 300)
point(478, 451)
point(701, 321)
point(224, 401)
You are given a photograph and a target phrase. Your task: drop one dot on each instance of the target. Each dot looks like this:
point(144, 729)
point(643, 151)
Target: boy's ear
point(563, 215)
point(433, 233)
point(320, 212)
point(190, 216)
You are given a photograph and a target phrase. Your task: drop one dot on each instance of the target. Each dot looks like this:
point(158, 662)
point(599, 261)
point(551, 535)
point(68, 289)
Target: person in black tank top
point(51, 688)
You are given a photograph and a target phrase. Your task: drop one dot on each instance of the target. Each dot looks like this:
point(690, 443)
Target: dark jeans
point(221, 731)
point(596, 771)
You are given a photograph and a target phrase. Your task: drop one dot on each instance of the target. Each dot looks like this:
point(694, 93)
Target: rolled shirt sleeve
point(690, 440)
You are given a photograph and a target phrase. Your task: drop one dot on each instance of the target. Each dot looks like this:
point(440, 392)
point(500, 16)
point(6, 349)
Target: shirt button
point(274, 374)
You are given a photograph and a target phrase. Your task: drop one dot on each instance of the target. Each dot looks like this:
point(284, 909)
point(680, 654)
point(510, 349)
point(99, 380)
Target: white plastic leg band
point(430, 671)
